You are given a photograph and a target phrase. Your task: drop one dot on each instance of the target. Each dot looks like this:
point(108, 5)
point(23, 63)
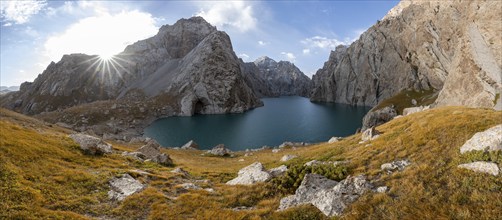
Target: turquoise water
point(282, 119)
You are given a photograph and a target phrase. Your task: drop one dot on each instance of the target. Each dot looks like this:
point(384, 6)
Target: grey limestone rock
point(123, 187)
point(251, 174)
point(288, 157)
point(378, 117)
point(483, 167)
point(220, 150)
point(490, 139)
point(278, 171)
point(369, 134)
point(395, 165)
point(190, 145)
point(92, 145)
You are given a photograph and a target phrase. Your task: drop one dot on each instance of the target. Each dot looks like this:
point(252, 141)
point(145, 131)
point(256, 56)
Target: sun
point(106, 56)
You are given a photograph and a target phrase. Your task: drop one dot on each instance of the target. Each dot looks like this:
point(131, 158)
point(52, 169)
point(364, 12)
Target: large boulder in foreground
point(251, 174)
point(482, 167)
point(123, 187)
point(92, 145)
point(329, 196)
point(490, 140)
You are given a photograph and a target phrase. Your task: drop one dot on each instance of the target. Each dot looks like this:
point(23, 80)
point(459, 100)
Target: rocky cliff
point(187, 68)
point(270, 78)
point(453, 47)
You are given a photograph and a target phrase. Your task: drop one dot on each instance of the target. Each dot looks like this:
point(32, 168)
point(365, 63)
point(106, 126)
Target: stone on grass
point(152, 153)
point(329, 196)
point(251, 174)
point(190, 145)
point(92, 145)
point(409, 111)
point(123, 187)
point(220, 150)
point(288, 157)
point(483, 167)
point(395, 165)
point(369, 134)
point(490, 139)
point(334, 139)
point(180, 171)
point(278, 171)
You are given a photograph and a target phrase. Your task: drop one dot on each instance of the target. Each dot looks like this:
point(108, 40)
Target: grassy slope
point(43, 174)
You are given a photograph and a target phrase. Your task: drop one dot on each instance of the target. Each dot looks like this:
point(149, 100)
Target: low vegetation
point(44, 175)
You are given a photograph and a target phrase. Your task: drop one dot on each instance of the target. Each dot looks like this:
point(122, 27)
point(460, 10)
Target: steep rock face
point(283, 77)
point(451, 46)
point(191, 62)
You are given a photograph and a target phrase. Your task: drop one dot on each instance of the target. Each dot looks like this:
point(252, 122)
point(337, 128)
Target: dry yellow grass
point(43, 175)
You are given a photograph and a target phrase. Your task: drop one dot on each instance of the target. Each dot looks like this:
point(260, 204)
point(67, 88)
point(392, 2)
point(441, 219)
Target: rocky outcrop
point(152, 152)
point(92, 145)
point(219, 150)
point(378, 117)
point(123, 187)
point(329, 196)
point(489, 140)
point(187, 68)
point(481, 166)
point(251, 174)
point(449, 46)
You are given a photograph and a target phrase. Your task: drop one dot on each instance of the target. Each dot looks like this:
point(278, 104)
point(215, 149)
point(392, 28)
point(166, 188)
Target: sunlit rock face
point(448, 46)
point(190, 61)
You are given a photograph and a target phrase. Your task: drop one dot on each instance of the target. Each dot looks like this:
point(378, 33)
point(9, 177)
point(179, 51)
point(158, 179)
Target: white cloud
point(289, 56)
point(324, 42)
point(20, 12)
point(229, 14)
point(102, 35)
point(244, 56)
point(306, 51)
point(262, 43)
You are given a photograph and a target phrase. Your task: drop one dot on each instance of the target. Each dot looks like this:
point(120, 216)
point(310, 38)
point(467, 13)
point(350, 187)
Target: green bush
point(488, 156)
point(289, 182)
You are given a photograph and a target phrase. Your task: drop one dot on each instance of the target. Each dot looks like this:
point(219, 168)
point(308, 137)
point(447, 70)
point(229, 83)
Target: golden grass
point(44, 175)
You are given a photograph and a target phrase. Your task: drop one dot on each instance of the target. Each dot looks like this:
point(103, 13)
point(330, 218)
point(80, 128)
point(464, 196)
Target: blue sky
point(34, 33)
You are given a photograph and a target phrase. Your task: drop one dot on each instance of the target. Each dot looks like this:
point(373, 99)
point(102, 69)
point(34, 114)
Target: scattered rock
point(152, 152)
point(408, 111)
point(92, 145)
point(241, 160)
point(414, 102)
point(123, 187)
point(251, 174)
point(140, 172)
point(211, 190)
point(490, 139)
point(248, 154)
point(382, 189)
point(276, 150)
point(189, 186)
point(293, 144)
point(316, 162)
point(329, 196)
point(180, 171)
point(334, 139)
point(370, 134)
point(278, 171)
point(190, 145)
point(243, 208)
point(220, 150)
point(395, 165)
point(481, 166)
point(136, 155)
point(288, 157)
point(378, 117)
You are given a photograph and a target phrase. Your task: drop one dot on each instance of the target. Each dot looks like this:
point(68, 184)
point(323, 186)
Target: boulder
point(220, 150)
point(329, 196)
point(378, 117)
point(92, 145)
point(292, 144)
point(483, 167)
point(334, 139)
point(251, 174)
point(190, 145)
point(136, 155)
point(180, 171)
point(369, 134)
point(395, 165)
point(408, 111)
point(288, 157)
point(152, 152)
point(278, 171)
point(123, 187)
point(490, 139)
